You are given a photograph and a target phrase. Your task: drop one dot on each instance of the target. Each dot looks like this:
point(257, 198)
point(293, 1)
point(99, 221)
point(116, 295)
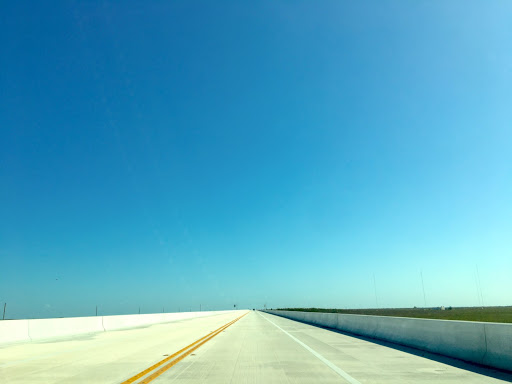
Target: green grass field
point(487, 314)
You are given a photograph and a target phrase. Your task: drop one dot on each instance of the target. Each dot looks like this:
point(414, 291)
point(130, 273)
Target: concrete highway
point(235, 347)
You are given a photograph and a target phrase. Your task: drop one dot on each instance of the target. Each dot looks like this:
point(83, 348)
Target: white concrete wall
point(50, 328)
point(488, 344)
point(13, 331)
point(112, 323)
point(499, 345)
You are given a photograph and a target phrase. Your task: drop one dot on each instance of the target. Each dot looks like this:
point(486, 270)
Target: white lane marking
point(336, 369)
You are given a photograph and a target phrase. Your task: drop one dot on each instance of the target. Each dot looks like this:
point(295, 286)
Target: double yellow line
point(177, 357)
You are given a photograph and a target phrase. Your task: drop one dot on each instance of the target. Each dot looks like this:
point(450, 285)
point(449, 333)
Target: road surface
point(237, 347)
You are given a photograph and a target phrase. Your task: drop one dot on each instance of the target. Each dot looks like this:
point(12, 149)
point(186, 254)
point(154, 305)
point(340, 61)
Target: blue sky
point(177, 153)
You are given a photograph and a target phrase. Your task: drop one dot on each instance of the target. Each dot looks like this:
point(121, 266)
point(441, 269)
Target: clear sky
point(171, 154)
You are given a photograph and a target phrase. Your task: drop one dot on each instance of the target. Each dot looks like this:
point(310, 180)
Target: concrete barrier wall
point(49, 328)
point(328, 320)
point(113, 323)
point(499, 345)
point(168, 317)
point(487, 344)
point(13, 331)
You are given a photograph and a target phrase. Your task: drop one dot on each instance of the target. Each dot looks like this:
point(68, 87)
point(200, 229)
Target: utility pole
point(480, 285)
point(375, 287)
point(423, 286)
point(139, 309)
point(5, 305)
point(96, 310)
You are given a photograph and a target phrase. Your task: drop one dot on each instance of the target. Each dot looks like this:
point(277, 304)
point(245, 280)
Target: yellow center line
point(202, 340)
point(163, 361)
point(176, 361)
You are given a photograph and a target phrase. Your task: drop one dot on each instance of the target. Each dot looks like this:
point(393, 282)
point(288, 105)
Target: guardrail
point(14, 331)
point(488, 344)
